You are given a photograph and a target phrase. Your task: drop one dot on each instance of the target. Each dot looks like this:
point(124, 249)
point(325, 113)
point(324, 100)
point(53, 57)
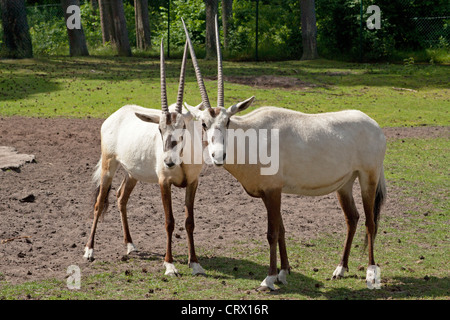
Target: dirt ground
point(269, 81)
point(45, 206)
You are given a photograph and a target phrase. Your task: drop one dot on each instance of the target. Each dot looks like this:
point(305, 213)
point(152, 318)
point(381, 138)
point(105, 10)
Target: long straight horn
point(198, 75)
point(182, 77)
point(164, 106)
point(220, 102)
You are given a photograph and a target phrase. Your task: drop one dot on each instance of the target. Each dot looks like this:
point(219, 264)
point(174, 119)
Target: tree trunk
point(227, 14)
point(77, 40)
point(142, 24)
point(16, 33)
point(120, 27)
point(106, 21)
point(114, 26)
point(211, 11)
point(309, 29)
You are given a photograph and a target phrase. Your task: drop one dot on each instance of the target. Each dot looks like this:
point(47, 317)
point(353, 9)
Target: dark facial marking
point(174, 117)
point(214, 112)
point(168, 118)
point(168, 144)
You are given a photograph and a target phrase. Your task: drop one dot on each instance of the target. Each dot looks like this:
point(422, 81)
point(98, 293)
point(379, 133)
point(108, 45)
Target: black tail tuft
point(380, 198)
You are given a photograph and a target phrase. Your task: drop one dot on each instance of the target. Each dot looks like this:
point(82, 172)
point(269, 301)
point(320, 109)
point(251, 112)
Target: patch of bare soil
point(417, 132)
point(269, 81)
point(44, 208)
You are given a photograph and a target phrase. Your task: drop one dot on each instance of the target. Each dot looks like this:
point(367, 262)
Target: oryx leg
point(166, 195)
point(347, 202)
point(109, 167)
point(272, 201)
point(285, 268)
point(368, 182)
point(123, 195)
point(190, 225)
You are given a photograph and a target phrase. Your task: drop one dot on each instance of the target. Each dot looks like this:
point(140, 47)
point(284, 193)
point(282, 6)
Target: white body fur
point(319, 153)
point(137, 146)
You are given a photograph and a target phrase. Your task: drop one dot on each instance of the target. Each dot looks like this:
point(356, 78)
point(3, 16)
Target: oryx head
point(215, 121)
point(171, 124)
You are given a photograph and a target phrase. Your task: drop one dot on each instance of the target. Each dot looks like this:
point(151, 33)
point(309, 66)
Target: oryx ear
point(195, 111)
point(240, 106)
point(153, 118)
point(187, 115)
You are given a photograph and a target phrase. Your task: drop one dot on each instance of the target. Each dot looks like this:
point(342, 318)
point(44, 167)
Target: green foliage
point(131, 26)
point(48, 30)
point(279, 33)
point(406, 27)
point(404, 24)
point(339, 31)
point(194, 15)
point(91, 25)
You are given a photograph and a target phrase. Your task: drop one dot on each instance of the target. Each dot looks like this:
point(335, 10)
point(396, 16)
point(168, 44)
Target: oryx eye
point(204, 125)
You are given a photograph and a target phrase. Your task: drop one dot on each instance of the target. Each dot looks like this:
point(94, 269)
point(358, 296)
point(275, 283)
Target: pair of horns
point(179, 103)
point(220, 87)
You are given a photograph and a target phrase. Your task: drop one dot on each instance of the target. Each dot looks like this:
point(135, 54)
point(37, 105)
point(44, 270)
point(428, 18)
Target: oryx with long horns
point(149, 145)
point(318, 154)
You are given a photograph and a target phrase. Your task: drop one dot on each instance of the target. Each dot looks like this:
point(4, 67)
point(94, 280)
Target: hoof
point(281, 278)
point(88, 254)
point(197, 269)
point(373, 279)
point(339, 272)
point(131, 248)
point(171, 271)
point(269, 282)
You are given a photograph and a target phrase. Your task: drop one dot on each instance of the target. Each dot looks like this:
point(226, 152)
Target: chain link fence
point(433, 31)
point(426, 27)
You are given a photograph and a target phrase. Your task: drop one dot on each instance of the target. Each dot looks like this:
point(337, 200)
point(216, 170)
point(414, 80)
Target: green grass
point(430, 55)
point(96, 87)
point(412, 249)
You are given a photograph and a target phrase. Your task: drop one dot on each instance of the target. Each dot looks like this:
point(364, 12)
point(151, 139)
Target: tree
point(114, 27)
point(142, 24)
point(120, 29)
point(309, 29)
point(106, 21)
point(227, 14)
point(77, 40)
point(211, 7)
point(16, 33)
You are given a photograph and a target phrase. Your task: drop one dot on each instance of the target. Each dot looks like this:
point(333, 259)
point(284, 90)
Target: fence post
point(168, 29)
point(256, 31)
point(360, 30)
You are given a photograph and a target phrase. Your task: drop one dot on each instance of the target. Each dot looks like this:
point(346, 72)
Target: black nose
point(223, 156)
point(169, 164)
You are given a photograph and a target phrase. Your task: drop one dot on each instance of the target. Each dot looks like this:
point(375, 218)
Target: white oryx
point(145, 143)
point(318, 154)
